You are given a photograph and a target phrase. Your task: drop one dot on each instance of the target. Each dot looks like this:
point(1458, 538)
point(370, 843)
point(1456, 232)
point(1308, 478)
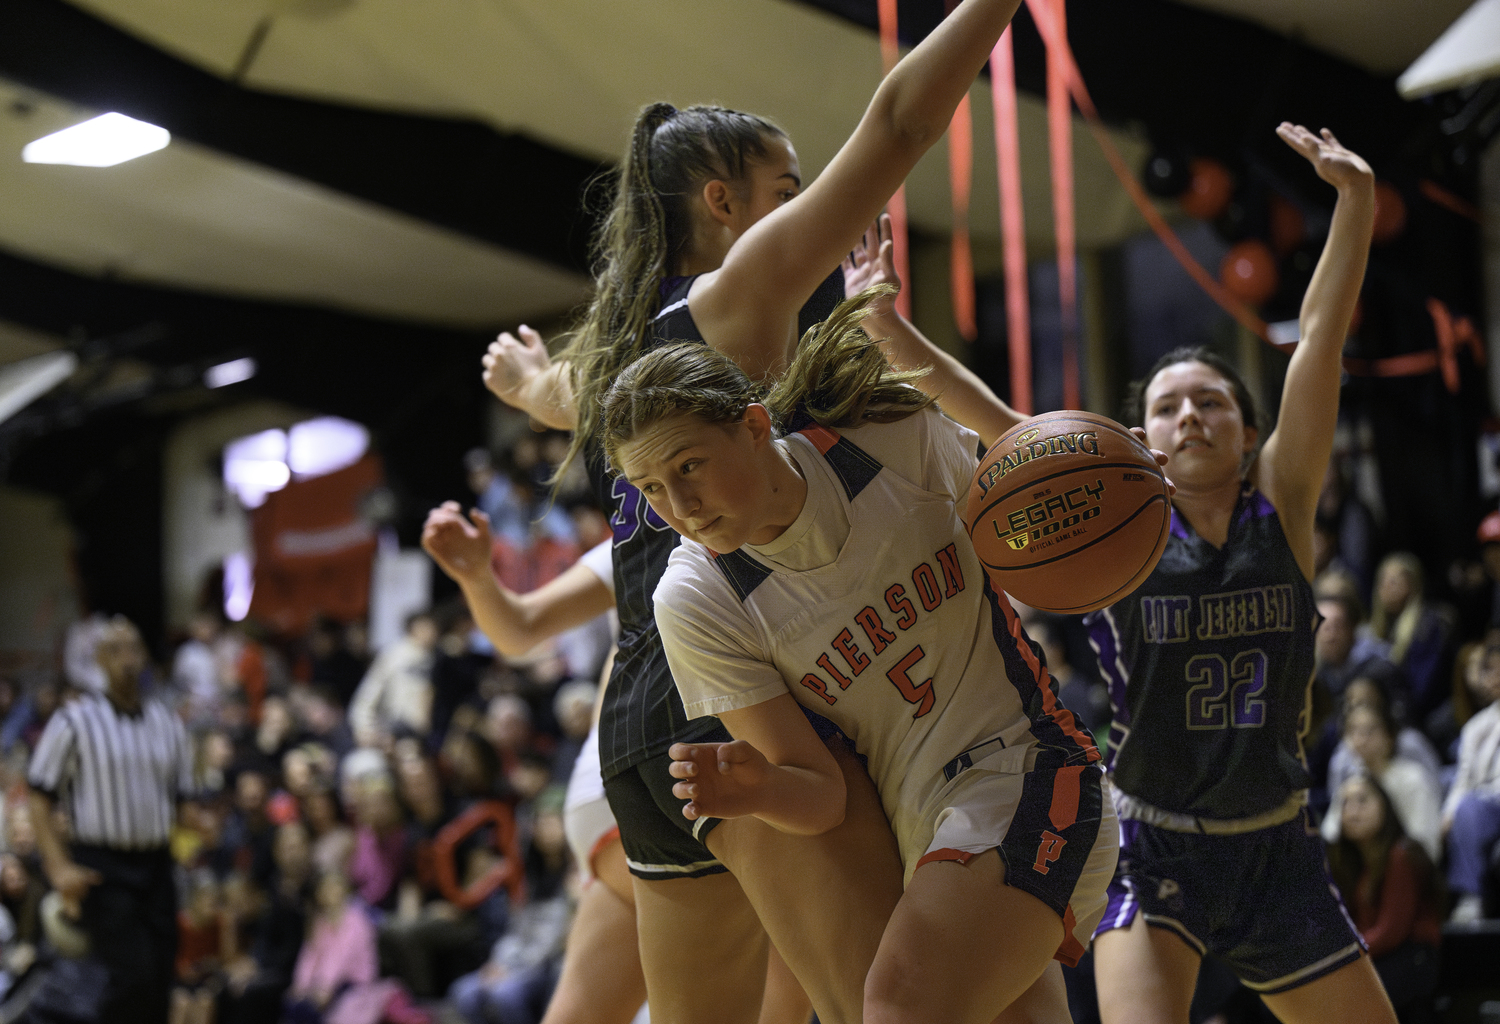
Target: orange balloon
point(1390, 212)
point(1288, 228)
point(1209, 191)
point(1249, 271)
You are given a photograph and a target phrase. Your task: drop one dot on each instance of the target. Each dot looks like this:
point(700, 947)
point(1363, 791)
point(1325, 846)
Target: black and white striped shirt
point(119, 775)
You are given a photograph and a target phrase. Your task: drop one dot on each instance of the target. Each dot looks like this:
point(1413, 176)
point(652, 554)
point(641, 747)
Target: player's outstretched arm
point(743, 307)
point(964, 396)
point(1291, 471)
point(521, 373)
point(514, 623)
point(776, 769)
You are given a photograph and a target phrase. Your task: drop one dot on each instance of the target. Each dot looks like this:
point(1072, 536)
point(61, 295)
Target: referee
point(119, 765)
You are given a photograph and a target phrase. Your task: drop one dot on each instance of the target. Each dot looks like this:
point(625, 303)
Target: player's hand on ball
point(719, 780)
point(1161, 457)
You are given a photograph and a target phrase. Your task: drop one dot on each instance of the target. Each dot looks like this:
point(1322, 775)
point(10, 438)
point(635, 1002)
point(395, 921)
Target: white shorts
point(1055, 828)
point(587, 819)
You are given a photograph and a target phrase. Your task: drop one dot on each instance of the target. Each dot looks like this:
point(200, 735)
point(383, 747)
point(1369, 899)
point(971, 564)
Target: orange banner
point(314, 550)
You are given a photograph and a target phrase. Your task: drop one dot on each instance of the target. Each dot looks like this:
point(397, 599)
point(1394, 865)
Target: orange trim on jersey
point(946, 853)
point(823, 438)
point(1065, 786)
point(1059, 714)
point(1071, 950)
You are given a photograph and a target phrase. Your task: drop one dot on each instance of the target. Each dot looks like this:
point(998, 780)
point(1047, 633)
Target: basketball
point(1068, 512)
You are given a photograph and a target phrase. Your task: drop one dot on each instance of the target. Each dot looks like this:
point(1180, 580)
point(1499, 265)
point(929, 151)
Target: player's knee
point(894, 992)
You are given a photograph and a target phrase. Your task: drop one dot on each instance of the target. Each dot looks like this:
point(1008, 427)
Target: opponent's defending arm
point(964, 396)
point(776, 769)
point(514, 623)
point(778, 263)
point(1291, 471)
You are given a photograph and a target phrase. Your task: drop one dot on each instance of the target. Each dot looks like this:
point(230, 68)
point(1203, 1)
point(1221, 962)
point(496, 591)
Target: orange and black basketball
point(1069, 512)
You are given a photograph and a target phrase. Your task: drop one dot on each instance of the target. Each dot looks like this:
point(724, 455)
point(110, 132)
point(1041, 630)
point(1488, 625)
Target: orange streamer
point(890, 53)
point(960, 175)
point(1012, 221)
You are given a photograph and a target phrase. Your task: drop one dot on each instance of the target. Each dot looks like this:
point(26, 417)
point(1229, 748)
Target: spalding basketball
point(1068, 512)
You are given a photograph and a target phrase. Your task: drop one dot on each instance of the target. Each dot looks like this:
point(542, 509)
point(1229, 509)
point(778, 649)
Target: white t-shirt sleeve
point(716, 656)
point(601, 562)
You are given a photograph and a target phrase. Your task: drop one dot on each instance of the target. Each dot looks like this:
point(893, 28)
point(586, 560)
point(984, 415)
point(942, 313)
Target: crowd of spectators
point(376, 835)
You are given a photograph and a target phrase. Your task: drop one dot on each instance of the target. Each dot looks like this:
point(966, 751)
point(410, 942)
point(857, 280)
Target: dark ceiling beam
point(505, 189)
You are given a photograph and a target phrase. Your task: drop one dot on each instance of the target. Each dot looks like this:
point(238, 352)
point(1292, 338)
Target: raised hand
point(719, 780)
point(510, 363)
point(1339, 166)
point(873, 262)
point(460, 547)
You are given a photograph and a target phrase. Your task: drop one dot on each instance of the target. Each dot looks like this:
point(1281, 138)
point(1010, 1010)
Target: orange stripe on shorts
point(1071, 950)
point(1064, 810)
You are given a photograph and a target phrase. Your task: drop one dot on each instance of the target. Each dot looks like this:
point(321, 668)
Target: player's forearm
point(1328, 304)
point(964, 396)
point(918, 97)
point(548, 398)
point(515, 623)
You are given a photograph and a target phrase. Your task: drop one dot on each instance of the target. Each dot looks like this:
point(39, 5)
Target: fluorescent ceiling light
point(104, 141)
point(228, 373)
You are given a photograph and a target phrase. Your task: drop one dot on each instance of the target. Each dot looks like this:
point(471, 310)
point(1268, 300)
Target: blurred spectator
point(269, 929)
point(1468, 699)
point(573, 708)
point(516, 982)
point(1471, 813)
point(1390, 888)
point(495, 497)
point(338, 956)
point(396, 694)
point(248, 831)
point(381, 845)
point(195, 670)
point(21, 894)
point(1419, 631)
point(332, 840)
point(331, 663)
point(1410, 743)
point(1342, 651)
point(1411, 786)
point(1346, 525)
point(323, 721)
point(1489, 553)
point(428, 936)
point(201, 927)
point(456, 670)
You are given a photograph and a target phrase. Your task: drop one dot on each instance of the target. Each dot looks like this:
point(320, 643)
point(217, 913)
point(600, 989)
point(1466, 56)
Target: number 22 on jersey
point(1226, 695)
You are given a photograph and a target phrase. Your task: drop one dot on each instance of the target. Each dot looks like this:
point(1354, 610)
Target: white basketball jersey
point(899, 641)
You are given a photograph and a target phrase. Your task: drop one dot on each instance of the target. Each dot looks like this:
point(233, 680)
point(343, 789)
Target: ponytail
point(673, 153)
point(840, 378)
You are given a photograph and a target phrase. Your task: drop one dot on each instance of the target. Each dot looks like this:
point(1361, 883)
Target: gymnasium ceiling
point(224, 211)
